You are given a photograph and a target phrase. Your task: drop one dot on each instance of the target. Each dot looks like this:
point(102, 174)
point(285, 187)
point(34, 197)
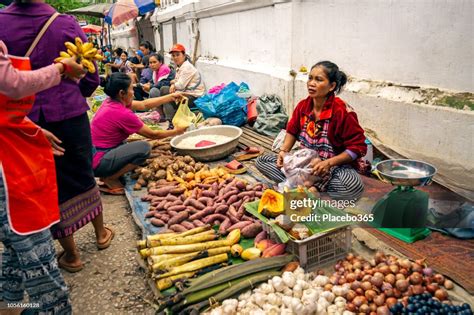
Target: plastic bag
point(297, 169)
point(226, 105)
point(271, 115)
point(184, 116)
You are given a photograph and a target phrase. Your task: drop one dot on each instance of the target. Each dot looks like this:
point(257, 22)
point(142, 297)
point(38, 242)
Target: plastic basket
point(319, 249)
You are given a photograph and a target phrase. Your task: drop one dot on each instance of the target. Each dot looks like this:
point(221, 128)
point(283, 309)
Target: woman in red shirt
point(323, 122)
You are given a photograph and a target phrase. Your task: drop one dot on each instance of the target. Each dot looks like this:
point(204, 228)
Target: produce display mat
point(442, 252)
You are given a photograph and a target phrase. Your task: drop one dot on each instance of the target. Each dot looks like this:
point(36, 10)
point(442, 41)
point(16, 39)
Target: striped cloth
point(29, 264)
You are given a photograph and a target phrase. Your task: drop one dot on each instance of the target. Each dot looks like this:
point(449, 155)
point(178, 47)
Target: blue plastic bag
point(226, 105)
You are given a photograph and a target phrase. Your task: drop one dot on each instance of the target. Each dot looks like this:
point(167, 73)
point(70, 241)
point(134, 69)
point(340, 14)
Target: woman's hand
point(179, 130)
point(280, 157)
point(320, 168)
point(57, 150)
point(177, 96)
point(172, 88)
point(73, 70)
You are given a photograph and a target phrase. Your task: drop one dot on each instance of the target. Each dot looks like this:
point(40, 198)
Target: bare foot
point(104, 236)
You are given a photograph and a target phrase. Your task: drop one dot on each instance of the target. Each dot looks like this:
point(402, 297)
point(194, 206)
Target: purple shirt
point(112, 124)
point(19, 26)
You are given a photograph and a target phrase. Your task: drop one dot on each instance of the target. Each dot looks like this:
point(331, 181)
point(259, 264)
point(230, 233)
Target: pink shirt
point(112, 124)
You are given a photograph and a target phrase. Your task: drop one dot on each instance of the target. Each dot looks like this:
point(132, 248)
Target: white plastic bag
point(297, 169)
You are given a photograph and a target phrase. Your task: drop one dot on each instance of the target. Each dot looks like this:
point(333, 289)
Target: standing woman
point(324, 123)
point(61, 110)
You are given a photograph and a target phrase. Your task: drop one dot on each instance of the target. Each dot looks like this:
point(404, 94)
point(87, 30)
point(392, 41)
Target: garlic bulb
point(321, 310)
point(339, 290)
point(296, 306)
point(242, 304)
point(230, 306)
point(332, 310)
point(348, 313)
point(217, 311)
point(259, 299)
point(288, 292)
point(303, 284)
point(329, 296)
point(310, 295)
point(286, 299)
point(258, 311)
point(266, 288)
point(339, 298)
point(278, 284)
point(289, 279)
point(271, 309)
point(320, 281)
point(297, 291)
point(323, 302)
point(274, 299)
point(245, 296)
point(286, 311)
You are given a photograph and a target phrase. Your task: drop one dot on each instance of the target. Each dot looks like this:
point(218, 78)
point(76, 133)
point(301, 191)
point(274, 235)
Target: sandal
point(235, 167)
point(66, 266)
point(112, 191)
point(248, 154)
point(107, 242)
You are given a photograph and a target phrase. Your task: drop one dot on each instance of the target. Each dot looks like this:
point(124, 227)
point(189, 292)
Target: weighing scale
point(402, 212)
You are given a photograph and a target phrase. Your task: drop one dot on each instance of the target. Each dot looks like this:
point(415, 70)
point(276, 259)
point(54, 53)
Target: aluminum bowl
point(406, 172)
point(213, 152)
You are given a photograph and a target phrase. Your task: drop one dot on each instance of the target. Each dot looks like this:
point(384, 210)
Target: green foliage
point(63, 6)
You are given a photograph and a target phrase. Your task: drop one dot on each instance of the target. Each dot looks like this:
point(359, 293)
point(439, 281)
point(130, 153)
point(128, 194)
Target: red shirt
point(344, 132)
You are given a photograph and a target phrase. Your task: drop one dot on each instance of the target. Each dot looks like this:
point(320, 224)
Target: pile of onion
point(377, 285)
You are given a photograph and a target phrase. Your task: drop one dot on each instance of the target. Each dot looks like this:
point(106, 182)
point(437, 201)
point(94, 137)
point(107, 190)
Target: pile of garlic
point(294, 293)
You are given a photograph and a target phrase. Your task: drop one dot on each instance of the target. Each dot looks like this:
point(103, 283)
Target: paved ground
point(111, 281)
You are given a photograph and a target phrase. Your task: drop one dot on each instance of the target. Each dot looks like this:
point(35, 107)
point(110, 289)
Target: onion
point(432, 288)
point(357, 265)
point(448, 284)
point(390, 278)
point(389, 293)
point(379, 257)
point(428, 271)
point(391, 301)
point(364, 308)
point(404, 272)
point(350, 256)
point(408, 292)
point(355, 285)
point(342, 280)
point(328, 287)
point(321, 272)
point(383, 310)
point(377, 281)
point(441, 294)
point(394, 268)
point(366, 285)
point(385, 270)
point(360, 291)
point(350, 295)
point(416, 268)
point(386, 286)
point(359, 300)
point(341, 270)
point(418, 289)
point(416, 278)
point(405, 301)
point(399, 276)
point(370, 295)
point(334, 279)
point(373, 308)
point(405, 263)
point(351, 277)
point(367, 278)
point(379, 274)
point(397, 293)
point(402, 285)
point(351, 307)
point(337, 266)
point(439, 278)
point(379, 300)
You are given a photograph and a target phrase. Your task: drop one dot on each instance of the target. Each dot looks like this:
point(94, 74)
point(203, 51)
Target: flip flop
point(112, 191)
point(235, 167)
point(67, 267)
point(248, 154)
point(106, 244)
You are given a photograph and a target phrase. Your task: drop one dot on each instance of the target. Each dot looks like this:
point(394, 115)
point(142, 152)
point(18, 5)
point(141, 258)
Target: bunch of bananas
point(83, 53)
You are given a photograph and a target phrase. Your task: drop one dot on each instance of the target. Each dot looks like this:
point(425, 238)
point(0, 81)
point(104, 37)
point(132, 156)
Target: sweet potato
point(260, 236)
point(274, 250)
point(247, 218)
point(232, 211)
point(161, 205)
point(182, 197)
point(198, 223)
point(221, 209)
point(251, 230)
point(177, 202)
point(196, 204)
point(258, 194)
point(224, 226)
point(177, 208)
point(178, 218)
point(172, 213)
point(239, 225)
point(246, 194)
point(163, 191)
point(240, 185)
point(178, 228)
point(157, 222)
point(232, 199)
point(206, 200)
point(192, 210)
point(150, 214)
point(171, 198)
point(207, 193)
point(162, 216)
point(204, 186)
point(217, 222)
point(214, 189)
point(211, 218)
point(187, 225)
point(233, 219)
point(201, 214)
point(177, 191)
point(238, 203)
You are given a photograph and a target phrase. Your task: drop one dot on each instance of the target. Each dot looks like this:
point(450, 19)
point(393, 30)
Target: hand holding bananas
point(84, 54)
point(71, 69)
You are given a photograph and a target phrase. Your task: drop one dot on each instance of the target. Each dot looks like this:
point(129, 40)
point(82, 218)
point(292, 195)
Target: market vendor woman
point(113, 123)
point(323, 122)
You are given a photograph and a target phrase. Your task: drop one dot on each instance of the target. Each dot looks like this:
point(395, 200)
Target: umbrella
point(91, 28)
point(92, 10)
point(145, 6)
point(121, 12)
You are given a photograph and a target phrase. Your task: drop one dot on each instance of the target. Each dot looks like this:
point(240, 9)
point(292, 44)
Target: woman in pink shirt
point(111, 126)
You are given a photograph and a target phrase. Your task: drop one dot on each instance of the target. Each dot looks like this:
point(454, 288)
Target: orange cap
point(178, 47)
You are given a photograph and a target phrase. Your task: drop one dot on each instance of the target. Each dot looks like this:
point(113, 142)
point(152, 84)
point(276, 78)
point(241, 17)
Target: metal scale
point(402, 212)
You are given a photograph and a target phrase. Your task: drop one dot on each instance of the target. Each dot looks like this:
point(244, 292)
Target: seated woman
point(113, 123)
point(188, 81)
point(323, 122)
